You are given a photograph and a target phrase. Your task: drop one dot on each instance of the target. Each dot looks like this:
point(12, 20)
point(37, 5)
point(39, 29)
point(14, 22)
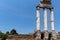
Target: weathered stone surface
point(30, 37)
point(0, 38)
point(46, 1)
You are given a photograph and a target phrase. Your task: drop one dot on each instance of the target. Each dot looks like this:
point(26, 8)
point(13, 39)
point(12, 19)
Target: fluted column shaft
point(38, 19)
point(52, 19)
point(45, 19)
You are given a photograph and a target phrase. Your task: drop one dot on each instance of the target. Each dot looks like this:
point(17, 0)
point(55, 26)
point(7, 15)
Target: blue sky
point(21, 15)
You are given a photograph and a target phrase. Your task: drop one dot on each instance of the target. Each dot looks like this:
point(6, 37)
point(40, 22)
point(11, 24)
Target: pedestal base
point(38, 35)
point(54, 36)
point(46, 35)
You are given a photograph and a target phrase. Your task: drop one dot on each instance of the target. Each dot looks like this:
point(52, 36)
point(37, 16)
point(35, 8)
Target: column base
point(54, 36)
point(38, 35)
point(45, 39)
point(46, 35)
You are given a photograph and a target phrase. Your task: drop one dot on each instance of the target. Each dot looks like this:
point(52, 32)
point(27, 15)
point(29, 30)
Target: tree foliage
point(1, 34)
point(4, 36)
point(7, 33)
point(13, 32)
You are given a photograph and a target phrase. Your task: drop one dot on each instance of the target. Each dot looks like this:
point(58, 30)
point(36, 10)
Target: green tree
point(7, 33)
point(13, 32)
point(4, 37)
point(1, 34)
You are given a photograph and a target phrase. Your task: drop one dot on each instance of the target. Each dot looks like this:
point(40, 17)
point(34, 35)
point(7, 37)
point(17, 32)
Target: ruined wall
point(28, 37)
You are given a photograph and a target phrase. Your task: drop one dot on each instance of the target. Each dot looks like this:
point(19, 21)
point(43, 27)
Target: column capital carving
point(37, 8)
point(52, 9)
point(44, 8)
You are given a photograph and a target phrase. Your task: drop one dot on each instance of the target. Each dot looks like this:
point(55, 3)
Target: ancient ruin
point(38, 35)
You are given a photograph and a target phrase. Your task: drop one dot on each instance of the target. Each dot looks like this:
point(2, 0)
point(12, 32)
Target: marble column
point(54, 37)
point(45, 25)
point(38, 33)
